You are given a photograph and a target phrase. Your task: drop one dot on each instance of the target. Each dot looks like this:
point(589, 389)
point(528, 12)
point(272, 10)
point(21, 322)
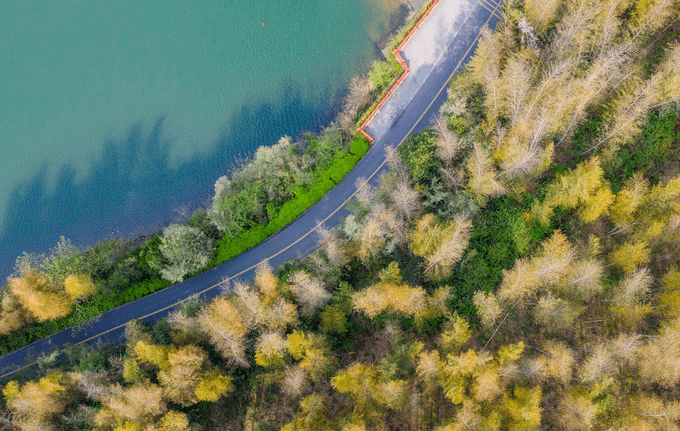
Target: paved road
point(298, 238)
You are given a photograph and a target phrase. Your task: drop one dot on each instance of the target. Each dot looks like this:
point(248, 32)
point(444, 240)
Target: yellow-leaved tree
point(583, 187)
point(266, 282)
point(42, 298)
point(221, 321)
point(547, 267)
point(38, 404)
point(391, 295)
point(141, 403)
point(12, 315)
point(313, 353)
point(441, 243)
point(523, 408)
point(541, 13)
point(80, 287)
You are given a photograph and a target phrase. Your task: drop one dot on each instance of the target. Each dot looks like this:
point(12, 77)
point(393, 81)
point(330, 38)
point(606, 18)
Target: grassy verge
point(326, 179)
point(106, 300)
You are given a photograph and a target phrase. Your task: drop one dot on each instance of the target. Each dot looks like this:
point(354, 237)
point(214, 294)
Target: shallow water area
point(118, 116)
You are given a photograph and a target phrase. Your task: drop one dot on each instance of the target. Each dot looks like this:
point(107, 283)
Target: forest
point(518, 267)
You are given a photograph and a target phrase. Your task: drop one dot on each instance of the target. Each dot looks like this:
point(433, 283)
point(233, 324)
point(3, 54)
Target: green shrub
point(383, 73)
point(326, 179)
point(658, 143)
point(236, 213)
point(323, 149)
point(201, 220)
point(419, 154)
point(149, 258)
point(134, 274)
point(66, 259)
point(186, 249)
point(499, 237)
point(359, 146)
point(127, 272)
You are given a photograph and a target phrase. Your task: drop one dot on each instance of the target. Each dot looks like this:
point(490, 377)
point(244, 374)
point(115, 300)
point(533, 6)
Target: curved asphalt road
point(295, 240)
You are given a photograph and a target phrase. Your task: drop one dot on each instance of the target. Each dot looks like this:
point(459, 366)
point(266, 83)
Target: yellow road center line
point(312, 229)
point(495, 3)
point(491, 7)
point(485, 6)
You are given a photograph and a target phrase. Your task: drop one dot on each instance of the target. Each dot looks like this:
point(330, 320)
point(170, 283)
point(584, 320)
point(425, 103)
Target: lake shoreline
point(149, 242)
point(110, 199)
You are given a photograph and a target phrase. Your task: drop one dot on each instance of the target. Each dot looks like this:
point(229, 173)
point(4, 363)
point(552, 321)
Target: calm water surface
point(117, 116)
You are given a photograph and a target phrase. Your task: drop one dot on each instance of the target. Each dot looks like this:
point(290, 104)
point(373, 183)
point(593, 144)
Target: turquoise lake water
point(117, 116)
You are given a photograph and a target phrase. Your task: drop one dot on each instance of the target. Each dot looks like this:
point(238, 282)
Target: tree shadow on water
point(134, 188)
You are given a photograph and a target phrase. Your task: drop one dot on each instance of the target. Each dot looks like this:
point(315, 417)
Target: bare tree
point(486, 69)
point(332, 246)
point(309, 291)
point(632, 288)
point(652, 15)
point(577, 411)
point(515, 86)
point(453, 177)
point(221, 321)
point(659, 359)
point(359, 90)
point(405, 198)
point(295, 381)
point(599, 364)
point(585, 279)
point(448, 143)
point(397, 167)
point(541, 13)
point(482, 178)
point(365, 193)
point(560, 361)
point(487, 306)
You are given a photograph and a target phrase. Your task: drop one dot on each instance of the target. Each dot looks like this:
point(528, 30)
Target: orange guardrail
point(403, 64)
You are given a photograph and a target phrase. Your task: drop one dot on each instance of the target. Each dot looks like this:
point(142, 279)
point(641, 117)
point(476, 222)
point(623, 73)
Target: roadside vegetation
point(65, 286)
point(254, 201)
point(367, 91)
point(517, 268)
